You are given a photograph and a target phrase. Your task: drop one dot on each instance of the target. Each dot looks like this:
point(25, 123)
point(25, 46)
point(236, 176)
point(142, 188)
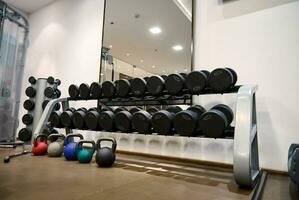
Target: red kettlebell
point(40, 147)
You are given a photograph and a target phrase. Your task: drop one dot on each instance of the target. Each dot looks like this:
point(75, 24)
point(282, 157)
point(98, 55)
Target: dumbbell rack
point(245, 156)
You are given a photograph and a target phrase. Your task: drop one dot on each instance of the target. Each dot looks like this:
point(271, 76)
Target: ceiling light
point(153, 66)
point(127, 54)
point(155, 30)
point(186, 70)
point(177, 48)
point(110, 46)
point(141, 61)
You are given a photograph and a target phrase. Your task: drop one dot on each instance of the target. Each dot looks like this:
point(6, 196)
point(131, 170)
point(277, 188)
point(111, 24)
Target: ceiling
point(29, 6)
point(133, 43)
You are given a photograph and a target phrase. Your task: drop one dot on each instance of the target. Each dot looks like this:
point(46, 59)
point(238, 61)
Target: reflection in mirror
point(143, 38)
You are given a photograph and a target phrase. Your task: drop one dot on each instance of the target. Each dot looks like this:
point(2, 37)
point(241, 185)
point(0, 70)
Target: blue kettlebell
point(84, 154)
point(70, 146)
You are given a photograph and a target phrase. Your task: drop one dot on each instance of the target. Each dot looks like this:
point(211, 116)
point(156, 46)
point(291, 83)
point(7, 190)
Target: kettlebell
point(84, 154)
point(55, 145)
point(40, 146)
point(105, 156)
point(70, 146)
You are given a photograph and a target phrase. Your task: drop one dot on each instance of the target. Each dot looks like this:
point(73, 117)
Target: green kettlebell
point(55, 145)
point(84, 154)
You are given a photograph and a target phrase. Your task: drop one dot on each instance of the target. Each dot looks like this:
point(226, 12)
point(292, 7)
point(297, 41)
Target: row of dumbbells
point(50, 92)
point(195, 120)
point(196, 82)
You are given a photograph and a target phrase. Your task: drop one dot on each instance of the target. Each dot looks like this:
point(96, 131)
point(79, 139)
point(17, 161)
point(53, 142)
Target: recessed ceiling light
point(177, 48)
point(128, 54)
point(153, 66)
point(186, 70)
point(141, 61)
point(155, 30)
point(110, 46)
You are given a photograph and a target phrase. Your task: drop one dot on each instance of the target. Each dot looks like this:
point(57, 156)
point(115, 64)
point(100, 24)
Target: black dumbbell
point(123, 120)
point(91, 119)
point(186, 122)
point(74, 91)
point(25, 134)
point(122, 87)
point(52, 81)
point(27, 119)
point(152, 110)
point(141, 122)
point(197, 81)
point(78, 118)
point(138, 87)
point(155, 85)
point(45, 103)
point(30, 91)
point(119, 109)
point(32, 80)
point(106, 119)
point(162, 121)
point(95, 90)
point(214, 122)
point(29, 104)
point(55, 120)
point(52, 92)
point(108, 89)
point(293, 164)
point(84, 91)
point(175, 83)
point(222, 79)
point(49, 131)
point(66, 118)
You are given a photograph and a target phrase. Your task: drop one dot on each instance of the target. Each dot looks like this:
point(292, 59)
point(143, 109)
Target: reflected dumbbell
point(222, 79)
point(197, 81)
point(155, 85)
point(108, 89)
point(123, 87)
point(138, 87)
point(95, 90)
point(214, 122)
point(175, 83)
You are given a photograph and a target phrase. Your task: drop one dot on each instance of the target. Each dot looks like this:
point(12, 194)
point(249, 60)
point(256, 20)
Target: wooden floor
point(132, 177)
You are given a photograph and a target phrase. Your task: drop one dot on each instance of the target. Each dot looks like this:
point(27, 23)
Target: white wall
point(65, 42)
point(262, 46)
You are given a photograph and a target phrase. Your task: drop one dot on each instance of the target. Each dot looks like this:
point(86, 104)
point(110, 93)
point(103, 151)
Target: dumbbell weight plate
point(106, 120)
point(66, 119)
point(174, 109)
point(226, 110)
point(84, 91)
point(196, 81)
point(25, 134)
point(108, 89)
point(155, 85)
point(92, 120)
point(221, 80)
point(32, 80)
point(74, 91)
point(234, 75)
point(134, 110)
point(45, 103)
point(162, 122)
point(29, 104)
point(213, 123)
point(78, 119)
point(30, 91)
point(138, 86)
point(57, 93)
point(164, 77)
point(122, 87)
point(152, 110)
point(54, 119)
point(95, 90)
point(27, 119)
point(174, 83)
point(141, 121)
point(49, 92)
point(123, 121)
point(119, 109)
point(51, 80)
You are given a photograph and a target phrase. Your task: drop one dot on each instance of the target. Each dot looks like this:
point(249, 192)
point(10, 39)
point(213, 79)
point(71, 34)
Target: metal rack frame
point(246, 157)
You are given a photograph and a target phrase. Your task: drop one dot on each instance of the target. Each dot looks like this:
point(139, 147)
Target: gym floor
point(132, 177)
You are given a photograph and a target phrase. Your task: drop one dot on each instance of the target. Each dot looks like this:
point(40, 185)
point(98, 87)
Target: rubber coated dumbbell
point(30, 91)
point(91, 119)
point(186, 122)
point(32, 80)
point(214, 122)
point(66, 118)
point(55, 120)
point(155, 85)
point(141, 121)
point(74, 91)
point(162, 121)
point(52, 92)
point(175, 83)
point(197, 81)
point(108, 89)
point(95, 90)
point(222, 79)
point(78, 119)
point(293, 164)
point(123, 120)
point(84, 91)
point(122, 87)
point(29, 104)
point(25, 134)
point(138, 87)
point(53, 81)
point(45, 103)
point(106, 119)
point(27, 119)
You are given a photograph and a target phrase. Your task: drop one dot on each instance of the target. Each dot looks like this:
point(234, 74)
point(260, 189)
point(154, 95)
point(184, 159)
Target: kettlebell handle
point(109, 139)
point(81, 142)
point(73, 135)
point(42, 136)
point(51, 136)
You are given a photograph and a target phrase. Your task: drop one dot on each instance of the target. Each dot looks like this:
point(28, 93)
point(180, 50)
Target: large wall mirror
point(146, 37)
